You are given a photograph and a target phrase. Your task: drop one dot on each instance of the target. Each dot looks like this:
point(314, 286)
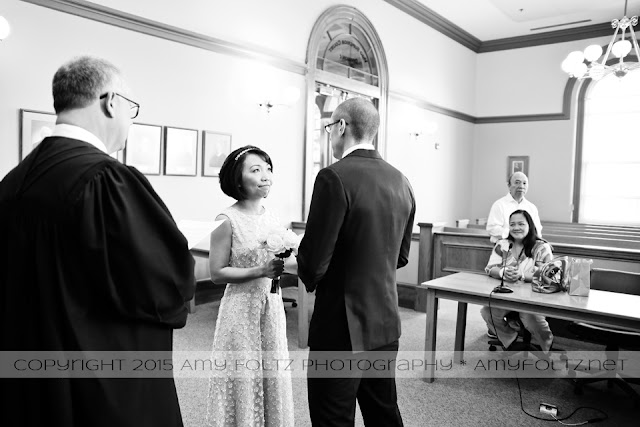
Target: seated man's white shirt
point(498, 220)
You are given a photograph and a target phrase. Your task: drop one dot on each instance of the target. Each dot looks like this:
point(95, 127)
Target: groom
point(358, 233)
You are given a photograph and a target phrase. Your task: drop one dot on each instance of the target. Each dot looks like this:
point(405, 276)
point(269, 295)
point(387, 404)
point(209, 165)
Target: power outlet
point(548, 409)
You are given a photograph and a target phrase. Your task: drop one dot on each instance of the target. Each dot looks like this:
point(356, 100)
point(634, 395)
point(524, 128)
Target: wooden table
point(600, 307)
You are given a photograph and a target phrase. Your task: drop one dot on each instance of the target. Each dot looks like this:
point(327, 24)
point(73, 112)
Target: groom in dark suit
point(358, 233)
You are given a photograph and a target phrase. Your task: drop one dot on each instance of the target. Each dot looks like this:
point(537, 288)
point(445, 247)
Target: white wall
point(183, 86)
point(525, 81)
point(176, 85)
point(440, 178)
point(421, 60)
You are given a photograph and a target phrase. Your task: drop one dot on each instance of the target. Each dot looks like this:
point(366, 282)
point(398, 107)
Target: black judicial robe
point(90, 259)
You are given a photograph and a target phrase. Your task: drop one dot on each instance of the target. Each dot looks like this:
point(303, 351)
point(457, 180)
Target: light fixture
point(427, 130)
point(287, 98)
point(5, 29)
point(584, 65)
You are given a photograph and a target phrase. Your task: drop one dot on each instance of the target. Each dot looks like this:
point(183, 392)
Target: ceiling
point(501, 19)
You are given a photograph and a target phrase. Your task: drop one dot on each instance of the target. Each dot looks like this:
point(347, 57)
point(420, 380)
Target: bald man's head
point(518, 185)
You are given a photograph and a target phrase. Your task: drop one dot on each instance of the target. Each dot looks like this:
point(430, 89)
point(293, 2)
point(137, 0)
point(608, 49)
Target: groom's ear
point(343, 126)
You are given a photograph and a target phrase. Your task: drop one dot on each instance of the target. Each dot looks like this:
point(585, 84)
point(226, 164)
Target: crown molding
point(550, 37)
point(149, 27)
point(439, 23)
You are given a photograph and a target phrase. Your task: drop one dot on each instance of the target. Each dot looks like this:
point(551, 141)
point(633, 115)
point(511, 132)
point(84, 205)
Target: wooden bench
point(444, 251)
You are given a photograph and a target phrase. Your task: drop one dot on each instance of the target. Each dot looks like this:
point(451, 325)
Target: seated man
point(498, 220)
point(516, 258)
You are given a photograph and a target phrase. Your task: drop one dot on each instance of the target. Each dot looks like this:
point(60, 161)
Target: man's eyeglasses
point(135, 107)
point(327, 128)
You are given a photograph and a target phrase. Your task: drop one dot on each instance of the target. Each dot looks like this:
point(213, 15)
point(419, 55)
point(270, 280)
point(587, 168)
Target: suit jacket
point(358, 233)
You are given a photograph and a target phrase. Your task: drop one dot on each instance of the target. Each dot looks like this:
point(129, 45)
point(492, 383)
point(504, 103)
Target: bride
point(251, 320)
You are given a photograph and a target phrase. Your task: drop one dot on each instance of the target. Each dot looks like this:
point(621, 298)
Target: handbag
point(580, 277)
point(553, 276)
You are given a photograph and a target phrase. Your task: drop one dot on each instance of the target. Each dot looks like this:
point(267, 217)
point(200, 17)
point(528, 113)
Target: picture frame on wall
point(180, 151)
point(216, 146)
point(144, 147)
point(517, 164)
point(34, 127)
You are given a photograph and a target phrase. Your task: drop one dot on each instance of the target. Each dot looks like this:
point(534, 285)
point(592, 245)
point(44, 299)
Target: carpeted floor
point(449, 401)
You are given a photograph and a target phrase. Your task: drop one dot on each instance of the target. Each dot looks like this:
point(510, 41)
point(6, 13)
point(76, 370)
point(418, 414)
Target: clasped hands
point(511, 274)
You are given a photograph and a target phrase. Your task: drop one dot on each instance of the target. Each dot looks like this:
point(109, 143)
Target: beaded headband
point(243, 152)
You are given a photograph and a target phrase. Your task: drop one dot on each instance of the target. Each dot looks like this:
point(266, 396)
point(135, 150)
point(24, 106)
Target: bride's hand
point(273, 268)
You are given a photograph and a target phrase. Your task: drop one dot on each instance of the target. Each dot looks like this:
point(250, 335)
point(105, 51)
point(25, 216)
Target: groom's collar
point(358, 147)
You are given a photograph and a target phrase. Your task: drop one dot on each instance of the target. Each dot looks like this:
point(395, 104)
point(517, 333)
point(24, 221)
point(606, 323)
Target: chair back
point(622, 282)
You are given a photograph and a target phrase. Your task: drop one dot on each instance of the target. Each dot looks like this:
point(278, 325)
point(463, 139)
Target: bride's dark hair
point(231, 170)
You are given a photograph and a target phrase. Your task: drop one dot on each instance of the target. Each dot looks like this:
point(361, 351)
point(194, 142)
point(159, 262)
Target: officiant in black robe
point(90, 260)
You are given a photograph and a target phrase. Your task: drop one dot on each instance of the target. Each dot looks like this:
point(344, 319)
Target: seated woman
point(527, 253)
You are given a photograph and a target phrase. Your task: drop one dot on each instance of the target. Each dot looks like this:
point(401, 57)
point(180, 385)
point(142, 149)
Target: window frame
point(580, 130)
point(330, 17)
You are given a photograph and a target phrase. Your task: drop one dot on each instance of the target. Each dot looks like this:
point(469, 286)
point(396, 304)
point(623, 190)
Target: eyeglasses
point(135, 107)
point(327, 128)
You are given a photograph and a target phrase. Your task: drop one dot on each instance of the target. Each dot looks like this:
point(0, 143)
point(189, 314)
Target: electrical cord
point(560, 420)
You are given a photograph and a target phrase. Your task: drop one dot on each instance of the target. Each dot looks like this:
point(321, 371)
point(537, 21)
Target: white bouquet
point(281, 243)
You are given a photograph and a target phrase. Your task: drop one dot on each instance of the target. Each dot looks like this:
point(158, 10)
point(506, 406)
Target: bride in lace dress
point(251, 320)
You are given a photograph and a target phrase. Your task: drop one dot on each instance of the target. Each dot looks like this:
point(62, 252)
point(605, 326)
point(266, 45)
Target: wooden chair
point(613, 339)
point(287, 281)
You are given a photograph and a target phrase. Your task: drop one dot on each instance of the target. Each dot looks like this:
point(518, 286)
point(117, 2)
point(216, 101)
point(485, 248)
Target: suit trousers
point(332, 399)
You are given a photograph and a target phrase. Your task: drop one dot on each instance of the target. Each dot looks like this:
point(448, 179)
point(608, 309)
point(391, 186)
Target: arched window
point(608, 152)
point(345, 59)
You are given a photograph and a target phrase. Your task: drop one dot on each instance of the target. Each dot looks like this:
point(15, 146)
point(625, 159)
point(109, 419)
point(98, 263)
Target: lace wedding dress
point(251, 327)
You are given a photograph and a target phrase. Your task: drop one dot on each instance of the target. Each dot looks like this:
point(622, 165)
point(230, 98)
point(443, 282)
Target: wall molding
point(565, 114)
point(426, 105)
point(149, 27)
point(427, 16)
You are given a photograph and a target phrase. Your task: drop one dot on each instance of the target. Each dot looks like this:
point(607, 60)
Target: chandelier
point(584, 65)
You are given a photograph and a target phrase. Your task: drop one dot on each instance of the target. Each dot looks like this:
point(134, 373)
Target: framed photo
point(143, 148)
point(517, 164)
point(180, 151)
point(216, 147)
point(34, 127)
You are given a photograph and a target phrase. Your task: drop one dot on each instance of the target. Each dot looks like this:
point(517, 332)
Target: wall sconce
point(429, 129)
point(415, 136)
point(5, 29)
point(288, 97)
